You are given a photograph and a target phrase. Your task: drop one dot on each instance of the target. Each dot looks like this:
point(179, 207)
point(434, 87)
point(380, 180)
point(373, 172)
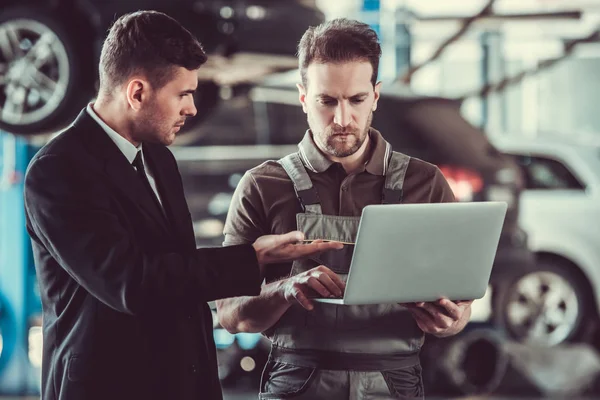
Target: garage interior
point(512, 84)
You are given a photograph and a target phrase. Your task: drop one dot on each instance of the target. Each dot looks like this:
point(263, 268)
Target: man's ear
point(376, 90)
point(137, 92)
point(302, 96)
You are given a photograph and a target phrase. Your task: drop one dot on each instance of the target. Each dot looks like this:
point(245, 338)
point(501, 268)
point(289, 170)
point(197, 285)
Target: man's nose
point(343, 115)
point(190, 110)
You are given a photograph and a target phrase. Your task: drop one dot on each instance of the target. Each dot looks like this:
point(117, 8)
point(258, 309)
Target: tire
point(546, 306)
point(48, 72)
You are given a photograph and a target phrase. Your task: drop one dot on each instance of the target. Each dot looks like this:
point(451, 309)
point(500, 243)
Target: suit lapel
point(167, 181)
point(116, 166)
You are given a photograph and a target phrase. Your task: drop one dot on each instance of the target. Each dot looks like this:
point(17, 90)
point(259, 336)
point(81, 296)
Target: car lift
point(20, 330)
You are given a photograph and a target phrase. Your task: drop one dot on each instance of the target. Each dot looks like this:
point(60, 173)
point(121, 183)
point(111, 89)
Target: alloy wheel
point(34, 71)
point(542, 308)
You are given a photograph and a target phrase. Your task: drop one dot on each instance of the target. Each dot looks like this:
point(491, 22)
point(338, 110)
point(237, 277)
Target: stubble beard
point(340, 148)
point(154, 129)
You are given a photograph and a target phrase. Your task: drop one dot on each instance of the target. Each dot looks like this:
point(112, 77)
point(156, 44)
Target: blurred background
point(501, 95)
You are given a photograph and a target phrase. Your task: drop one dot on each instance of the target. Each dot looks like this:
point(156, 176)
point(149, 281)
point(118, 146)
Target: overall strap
point(394, 177)
point(305, 191)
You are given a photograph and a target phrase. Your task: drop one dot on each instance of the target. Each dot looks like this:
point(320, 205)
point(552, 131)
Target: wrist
point(279, 291)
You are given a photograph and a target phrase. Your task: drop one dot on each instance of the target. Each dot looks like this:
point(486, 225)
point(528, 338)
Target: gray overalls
point(342, 352)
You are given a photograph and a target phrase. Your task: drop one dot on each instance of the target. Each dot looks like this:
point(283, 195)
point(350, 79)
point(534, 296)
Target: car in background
point(558, 300)
point(49, 51)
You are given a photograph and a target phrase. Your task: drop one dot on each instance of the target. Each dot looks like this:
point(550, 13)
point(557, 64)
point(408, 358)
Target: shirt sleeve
point(441, 192)
point(246, 217)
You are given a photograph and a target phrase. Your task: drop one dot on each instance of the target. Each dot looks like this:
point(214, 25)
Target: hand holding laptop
point(442, 317)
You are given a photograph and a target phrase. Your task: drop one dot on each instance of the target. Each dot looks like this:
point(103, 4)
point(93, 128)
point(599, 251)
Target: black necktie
point(138, 163)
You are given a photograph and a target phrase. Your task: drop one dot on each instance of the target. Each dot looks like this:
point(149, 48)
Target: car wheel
point(45, 75)
point(544, 306)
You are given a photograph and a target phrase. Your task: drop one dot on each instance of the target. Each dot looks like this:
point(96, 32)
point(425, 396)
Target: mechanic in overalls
point(326, 351)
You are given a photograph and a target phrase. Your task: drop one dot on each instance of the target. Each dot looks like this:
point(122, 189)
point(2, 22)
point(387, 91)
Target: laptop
point(423, 252)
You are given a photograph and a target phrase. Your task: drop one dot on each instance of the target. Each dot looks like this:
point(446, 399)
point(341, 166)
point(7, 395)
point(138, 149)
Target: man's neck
point(112, 114)
point(356, 161)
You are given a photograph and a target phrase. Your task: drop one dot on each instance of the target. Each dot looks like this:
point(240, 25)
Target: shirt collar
point(126, 147)
point(315, 160)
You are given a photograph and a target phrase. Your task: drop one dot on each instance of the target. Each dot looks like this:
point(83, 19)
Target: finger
point(422, 315)
point(423, 319)
point(336, 245)
point(438, 315)
point(437, 311)
point(335, 278)
point(331, 285)
point(451, 309)
point(328, 245)
point(302, 299)
point(307, 250)
point(426, 306)
point(318, 287)
point(464, 303)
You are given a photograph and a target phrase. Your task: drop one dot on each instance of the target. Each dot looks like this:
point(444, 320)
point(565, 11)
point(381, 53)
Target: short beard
point(329, 145)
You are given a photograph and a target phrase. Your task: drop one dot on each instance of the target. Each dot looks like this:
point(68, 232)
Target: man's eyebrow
point(326, 96)
point(189, 91)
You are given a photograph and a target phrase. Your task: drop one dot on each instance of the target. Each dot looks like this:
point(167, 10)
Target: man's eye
point(328, 102)
point(357, 101)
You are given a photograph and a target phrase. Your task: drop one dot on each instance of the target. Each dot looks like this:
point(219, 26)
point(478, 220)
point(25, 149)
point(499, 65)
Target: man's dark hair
point(149, 43)
point(337, 41)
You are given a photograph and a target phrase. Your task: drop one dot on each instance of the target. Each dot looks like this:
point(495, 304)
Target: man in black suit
point(123, 287)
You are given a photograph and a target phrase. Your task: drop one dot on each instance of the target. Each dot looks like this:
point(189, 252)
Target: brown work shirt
point(265, 201)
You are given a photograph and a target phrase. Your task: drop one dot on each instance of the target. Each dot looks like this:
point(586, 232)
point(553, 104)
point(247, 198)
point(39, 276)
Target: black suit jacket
point(123, 288)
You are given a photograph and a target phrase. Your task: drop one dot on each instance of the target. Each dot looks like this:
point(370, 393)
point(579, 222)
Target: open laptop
point(423, 252)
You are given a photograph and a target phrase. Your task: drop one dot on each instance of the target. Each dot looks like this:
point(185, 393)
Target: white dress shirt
point(126, 147)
